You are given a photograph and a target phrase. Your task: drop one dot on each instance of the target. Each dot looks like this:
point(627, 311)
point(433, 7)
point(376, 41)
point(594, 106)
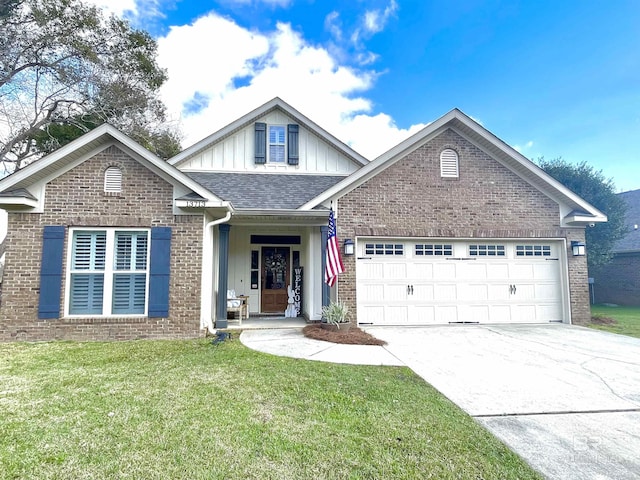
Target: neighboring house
point(106, 241)
point(618, 282)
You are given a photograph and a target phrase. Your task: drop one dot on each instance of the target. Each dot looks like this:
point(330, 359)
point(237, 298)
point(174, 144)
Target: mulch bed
point(601, 320)
point(354, 336)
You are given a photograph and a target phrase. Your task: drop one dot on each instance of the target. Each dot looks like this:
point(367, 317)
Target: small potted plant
point(335, 316)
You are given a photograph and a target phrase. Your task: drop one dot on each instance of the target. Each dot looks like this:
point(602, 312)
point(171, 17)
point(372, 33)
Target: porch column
point(223, 274)
point(326, 294)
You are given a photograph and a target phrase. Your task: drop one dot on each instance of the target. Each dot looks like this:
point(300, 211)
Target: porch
point(257, 322)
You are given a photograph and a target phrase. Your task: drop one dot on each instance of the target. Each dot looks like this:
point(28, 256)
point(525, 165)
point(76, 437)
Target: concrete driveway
point(567, 399)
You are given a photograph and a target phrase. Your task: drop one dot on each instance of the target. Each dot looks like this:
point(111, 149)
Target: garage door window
point(486, 251)
point(429, 249)
point(533, 250)
point(384, 249)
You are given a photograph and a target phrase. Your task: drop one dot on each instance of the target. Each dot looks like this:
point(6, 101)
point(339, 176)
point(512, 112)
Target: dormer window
point(277, 144)
point(449, 164)
point(113, 180)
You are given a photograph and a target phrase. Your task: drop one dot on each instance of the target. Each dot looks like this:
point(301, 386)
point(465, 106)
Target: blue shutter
point(293, 156)
point(51, 272)
point(261, 142)
point(159, 272)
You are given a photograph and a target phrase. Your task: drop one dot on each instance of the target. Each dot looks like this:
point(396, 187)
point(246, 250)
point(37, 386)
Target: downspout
point(207, 320)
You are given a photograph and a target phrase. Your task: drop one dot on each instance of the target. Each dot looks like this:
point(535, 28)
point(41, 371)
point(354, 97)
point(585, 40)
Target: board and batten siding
point(235, 153)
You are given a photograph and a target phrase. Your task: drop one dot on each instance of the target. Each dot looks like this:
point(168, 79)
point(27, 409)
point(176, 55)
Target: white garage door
point(401, 282)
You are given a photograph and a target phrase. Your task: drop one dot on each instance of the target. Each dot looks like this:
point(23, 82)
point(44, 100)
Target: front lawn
point(188, 409)
point(623, 320)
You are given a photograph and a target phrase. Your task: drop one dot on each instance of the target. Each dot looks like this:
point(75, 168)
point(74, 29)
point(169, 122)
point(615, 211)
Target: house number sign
point(196, 203)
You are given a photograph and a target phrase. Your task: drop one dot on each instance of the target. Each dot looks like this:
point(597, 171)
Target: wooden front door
point(275, 279)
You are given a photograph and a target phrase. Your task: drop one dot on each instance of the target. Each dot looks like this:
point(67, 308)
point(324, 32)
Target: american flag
point(334, 262)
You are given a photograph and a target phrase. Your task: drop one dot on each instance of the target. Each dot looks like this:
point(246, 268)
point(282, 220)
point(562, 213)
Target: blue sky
point(551, 78)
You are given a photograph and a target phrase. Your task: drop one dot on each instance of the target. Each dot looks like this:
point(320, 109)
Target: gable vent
point(113, 180)
point(449, 164)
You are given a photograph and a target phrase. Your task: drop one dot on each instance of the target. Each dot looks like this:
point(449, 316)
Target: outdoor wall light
point(349, 247)
point(579, 249)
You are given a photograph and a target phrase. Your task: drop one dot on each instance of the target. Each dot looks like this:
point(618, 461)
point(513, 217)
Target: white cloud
point(522, 148)
point(375, 20)
point(230, 82)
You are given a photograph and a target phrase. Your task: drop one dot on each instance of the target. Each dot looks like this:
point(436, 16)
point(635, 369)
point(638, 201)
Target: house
point(618, 282)
point(106, 241)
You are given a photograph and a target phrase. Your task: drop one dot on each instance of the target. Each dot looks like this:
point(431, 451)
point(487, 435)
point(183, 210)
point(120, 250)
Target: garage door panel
point(472, 271)
point(421, 271)
point(440, 288)
point(373, 270)
point(423, 292)
point(444, 293)
point(371, 292)
point(473, 292)
point(548, 292)
point(497, 271)
point(446, 314)
point(371, 314)
point(395, 292)
point(445, 271)
point(522, 271)
point(423, 314)
point(498, 292)
point(395, 271)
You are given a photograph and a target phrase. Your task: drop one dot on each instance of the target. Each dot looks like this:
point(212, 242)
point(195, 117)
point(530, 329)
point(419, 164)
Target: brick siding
point(410, 199)
point(77, 198)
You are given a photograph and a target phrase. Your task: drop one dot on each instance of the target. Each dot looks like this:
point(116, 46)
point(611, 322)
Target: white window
point(449, 164)
point(533, 250)
point(434, 249)
point(486, 251)
point(113, 180)
point(277, 135)
point(384, 249)
point(108, 272)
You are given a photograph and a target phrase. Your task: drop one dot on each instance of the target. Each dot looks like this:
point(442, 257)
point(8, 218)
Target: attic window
point(112, 180)
point(449, 164)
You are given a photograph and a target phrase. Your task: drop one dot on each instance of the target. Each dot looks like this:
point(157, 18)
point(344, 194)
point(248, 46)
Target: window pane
point(86, 294)
point(130, 251)
point(129, 293)
point(276, 153)
point(88, 250)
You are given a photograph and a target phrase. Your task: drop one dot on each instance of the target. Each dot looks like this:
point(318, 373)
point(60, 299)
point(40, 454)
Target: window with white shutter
point(113, 180)
point(449, 164)
point(108, 272)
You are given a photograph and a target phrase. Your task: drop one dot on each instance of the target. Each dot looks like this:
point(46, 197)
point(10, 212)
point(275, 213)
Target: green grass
point(627, 319)
point(188, 409)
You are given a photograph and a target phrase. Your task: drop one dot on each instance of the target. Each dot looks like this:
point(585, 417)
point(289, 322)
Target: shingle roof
point(632, 240)
point(19, 192)
point(265, 191)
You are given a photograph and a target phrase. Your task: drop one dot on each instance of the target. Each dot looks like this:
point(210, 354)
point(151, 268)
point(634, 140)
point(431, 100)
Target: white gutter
point(207, 274)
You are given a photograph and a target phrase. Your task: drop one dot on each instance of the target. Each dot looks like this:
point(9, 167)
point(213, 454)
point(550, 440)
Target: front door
point(275, 279)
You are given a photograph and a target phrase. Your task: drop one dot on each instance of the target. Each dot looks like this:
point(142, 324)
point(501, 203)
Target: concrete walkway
point(290, 342)
point(567, 399)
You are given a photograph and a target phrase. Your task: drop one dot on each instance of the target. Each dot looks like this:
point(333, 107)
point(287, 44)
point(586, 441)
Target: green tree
point(600, 192)
point(66, 68)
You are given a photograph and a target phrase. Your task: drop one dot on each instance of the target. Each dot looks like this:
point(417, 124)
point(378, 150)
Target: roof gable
point(276, 108)
point(13, 187)
point(576, 210)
